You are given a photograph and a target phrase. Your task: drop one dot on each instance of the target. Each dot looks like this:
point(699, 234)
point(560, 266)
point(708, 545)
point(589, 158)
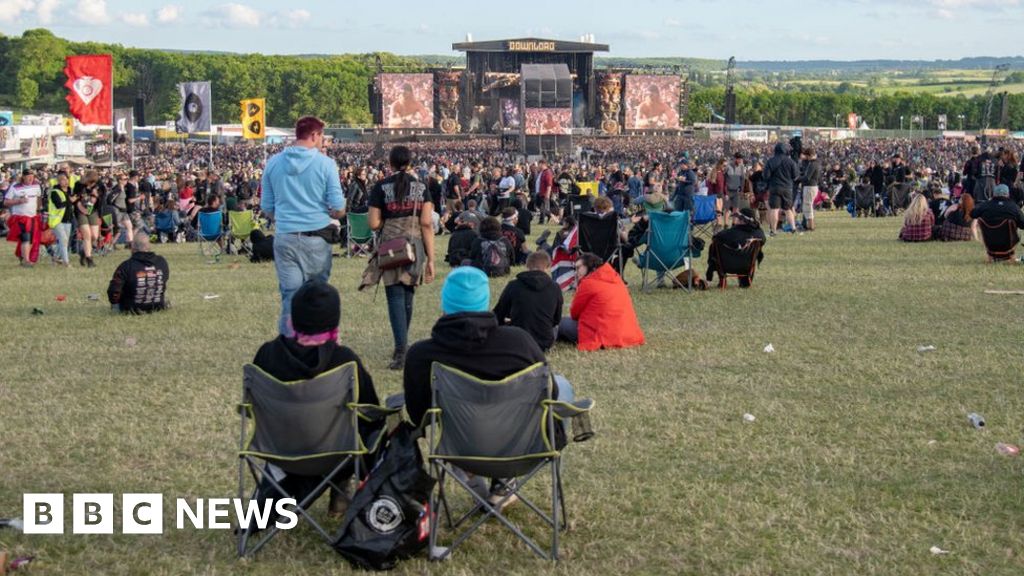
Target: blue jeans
point(297, 260)
point(569, 330)
point(63, 233)
point(400, 298)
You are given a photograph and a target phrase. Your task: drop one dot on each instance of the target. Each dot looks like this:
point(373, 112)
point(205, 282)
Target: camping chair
point(496, 429)
point(1000, 239)
point(163, 222)
point(211, 234)
point(601, 236)
point(578, 204)
point(738, 262)
point(863, 200)
point(359, 237)
point(667, 246)
point(242, 224)
point(306, 427)
point(899, 198)
point(705, 216)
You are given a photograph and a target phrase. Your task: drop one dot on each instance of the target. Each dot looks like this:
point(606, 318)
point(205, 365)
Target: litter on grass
point(928, 348)
point(211, 296)
point(12, 523)
point(61, 297)
point(1007, 449)
point(938, 551)
point(92, 297)
point(21, 562)
point(769, 349)
point(130, 342)
point(1005, 292)
point(749, 417)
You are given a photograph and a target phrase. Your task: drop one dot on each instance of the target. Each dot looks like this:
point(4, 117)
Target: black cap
point(748, 216)
point(316, 308)
point(26, 172)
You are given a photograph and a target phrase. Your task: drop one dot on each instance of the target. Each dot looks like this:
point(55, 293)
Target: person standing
point(781, 174)
point(85, 197)
point(544, 187)
point(686, 186)
point(59, 213)
point(810, 175)
point(23, 225)
point(301, 193)
point(735, 178)
point(400, 207)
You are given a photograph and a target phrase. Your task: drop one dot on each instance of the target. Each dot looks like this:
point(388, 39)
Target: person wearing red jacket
point(601, 315)
point(545, 183)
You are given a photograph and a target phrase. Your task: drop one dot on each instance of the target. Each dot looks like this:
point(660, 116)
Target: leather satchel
point(398, 252)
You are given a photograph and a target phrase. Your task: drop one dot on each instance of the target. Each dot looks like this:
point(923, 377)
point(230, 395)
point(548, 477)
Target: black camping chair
point(1000, 239)
point(600, 236)
point(899, 198)
point(737, 262)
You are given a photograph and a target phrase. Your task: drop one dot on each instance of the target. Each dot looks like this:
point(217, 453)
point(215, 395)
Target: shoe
point(339, 502)
point(500, 490)
point(397, 359)
point(89, 263)
point(81, 258)
point(543, 237)
point(771, 234)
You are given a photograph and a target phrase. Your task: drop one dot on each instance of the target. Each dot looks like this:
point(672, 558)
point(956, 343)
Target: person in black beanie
point(313, 350)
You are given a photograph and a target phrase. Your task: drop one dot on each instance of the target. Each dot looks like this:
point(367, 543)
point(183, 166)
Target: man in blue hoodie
point(301, 193)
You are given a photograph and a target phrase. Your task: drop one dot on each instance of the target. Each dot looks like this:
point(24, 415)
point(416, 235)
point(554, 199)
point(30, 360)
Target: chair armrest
point(372, 412)
point(569, 409)
point(244, 408)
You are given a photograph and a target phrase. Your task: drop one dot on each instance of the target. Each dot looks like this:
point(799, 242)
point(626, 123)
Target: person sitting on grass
point(994, 213)
point(957, 222)
point(601, 315)
point(460, 245)
point(510, 230)
point(744, 231)
point(533, 301)
point(491, 252)
point(469, 338)
point(918, 221)
point(312, 350)
point(139, 284)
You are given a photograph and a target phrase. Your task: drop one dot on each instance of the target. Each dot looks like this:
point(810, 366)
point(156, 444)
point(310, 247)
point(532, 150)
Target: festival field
point(859, 461)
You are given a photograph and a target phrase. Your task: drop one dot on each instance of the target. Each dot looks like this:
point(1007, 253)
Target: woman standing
point(60, 214)
point(400, 208)
point(86, 199)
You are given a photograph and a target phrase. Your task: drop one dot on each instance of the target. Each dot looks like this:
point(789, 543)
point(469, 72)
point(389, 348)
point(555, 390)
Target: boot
point(397, 359)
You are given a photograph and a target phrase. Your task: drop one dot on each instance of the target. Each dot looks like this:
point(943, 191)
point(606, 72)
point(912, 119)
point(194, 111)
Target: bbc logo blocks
point(93, 514)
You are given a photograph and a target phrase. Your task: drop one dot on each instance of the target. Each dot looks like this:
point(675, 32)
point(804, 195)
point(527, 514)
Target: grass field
point(859, 461)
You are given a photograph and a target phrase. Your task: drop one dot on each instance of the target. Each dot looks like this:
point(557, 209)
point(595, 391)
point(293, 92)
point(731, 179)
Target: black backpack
point(389, 517)
point(494, 258)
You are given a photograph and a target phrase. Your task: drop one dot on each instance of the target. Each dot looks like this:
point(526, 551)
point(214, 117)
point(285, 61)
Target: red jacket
point(604, 310)
point(547, 180)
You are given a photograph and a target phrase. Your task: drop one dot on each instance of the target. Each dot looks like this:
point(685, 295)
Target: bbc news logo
point(144, 513)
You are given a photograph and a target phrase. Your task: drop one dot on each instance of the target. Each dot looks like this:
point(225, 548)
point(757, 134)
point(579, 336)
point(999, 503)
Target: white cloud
point(45, 9)
point(10, 10)
point(233, 15)
point(92, 12)
point(297, 17)
point(135, 19)
point(945, 14)
point(673, 23)
point(168, 14)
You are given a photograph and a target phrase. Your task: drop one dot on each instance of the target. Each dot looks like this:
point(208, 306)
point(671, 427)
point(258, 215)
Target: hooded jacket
point(532, 302)
point(780, 172)
point(604, 310)
point(300, 185)
point(471, 342)
point(139, 283)
point(460, 246)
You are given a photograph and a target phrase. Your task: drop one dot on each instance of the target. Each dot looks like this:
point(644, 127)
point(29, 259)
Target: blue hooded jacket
point(300, 186)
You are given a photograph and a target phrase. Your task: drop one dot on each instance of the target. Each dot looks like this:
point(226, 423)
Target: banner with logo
point(194, 113)
point(6, 118)
point(90, 86)
point(254, 119)
point(122, 124)
point(942, 122)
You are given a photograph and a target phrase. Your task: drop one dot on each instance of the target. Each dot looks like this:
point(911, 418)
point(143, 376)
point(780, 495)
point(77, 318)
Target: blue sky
point(750, 30)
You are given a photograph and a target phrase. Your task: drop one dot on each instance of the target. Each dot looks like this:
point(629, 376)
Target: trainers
point(500, 490)
point(543, 237)
point(397, 360)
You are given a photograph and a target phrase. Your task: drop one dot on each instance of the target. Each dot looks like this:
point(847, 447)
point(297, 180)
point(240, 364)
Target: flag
point(69, 126)
point(941, 124)
point(563, 262)
point(194, 114)
point(6, 118)
point(90, 85)
point(122, 124)
point(254, 118)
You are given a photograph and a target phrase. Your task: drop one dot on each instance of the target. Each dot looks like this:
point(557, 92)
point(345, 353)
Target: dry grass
point(837, 475)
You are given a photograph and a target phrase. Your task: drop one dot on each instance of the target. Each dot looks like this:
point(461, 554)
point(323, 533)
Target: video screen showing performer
point(408, 100)
point(652, 102)
point(548, 121)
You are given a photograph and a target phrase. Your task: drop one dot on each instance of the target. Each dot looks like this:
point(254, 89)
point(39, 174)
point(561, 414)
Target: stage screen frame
point(535, 118)
point(637, 86)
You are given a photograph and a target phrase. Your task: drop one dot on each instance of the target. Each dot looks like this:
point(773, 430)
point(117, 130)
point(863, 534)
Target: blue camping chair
point(211, 234)
point(705, 216)
point(667, 246)
point(165, 226)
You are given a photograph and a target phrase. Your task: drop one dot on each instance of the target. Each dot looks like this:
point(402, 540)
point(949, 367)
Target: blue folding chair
point(705, 216)
point(667, 247)
point(211, 234)
point(165, 226)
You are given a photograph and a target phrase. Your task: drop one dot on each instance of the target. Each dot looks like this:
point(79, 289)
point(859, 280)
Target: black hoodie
point(139, 283)
point(471, 342)
point(532, 302)
point(781, 171)
point(460, 245)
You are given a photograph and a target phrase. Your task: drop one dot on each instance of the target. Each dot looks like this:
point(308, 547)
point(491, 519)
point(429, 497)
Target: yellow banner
point(254, 119)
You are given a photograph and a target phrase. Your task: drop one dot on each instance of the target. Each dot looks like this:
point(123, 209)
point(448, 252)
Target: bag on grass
point(494, 258)
point(389, 517)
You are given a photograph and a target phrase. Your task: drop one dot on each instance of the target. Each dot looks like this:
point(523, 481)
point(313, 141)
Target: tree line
point(335, 88)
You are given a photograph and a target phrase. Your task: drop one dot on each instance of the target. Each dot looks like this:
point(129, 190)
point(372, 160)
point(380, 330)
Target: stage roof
point(528, 45)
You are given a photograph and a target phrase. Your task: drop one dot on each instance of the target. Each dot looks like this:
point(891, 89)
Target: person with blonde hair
point(918, 221)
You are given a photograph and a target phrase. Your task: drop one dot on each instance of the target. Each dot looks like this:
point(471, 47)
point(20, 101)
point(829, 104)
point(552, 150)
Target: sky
point(747, 29)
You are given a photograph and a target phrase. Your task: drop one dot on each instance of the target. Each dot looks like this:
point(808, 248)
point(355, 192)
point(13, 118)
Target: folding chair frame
point(250, 461)
point(755, 247)
point(356, 247)
point(686, 259)
point(704, 228)
point(616, 253)
point(209, 247)
point(554, 412)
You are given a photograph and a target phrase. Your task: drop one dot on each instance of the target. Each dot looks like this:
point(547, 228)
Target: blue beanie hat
point(1001, 190)
point(466, 289)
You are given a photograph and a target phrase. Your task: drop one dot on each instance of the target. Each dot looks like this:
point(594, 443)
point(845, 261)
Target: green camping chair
point(242, 224)
point(498, 429)
point(359, 238)
point(306, 427)
point(667, 247)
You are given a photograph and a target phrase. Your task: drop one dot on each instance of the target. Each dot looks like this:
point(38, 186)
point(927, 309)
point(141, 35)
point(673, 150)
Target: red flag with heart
point(90, 85)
